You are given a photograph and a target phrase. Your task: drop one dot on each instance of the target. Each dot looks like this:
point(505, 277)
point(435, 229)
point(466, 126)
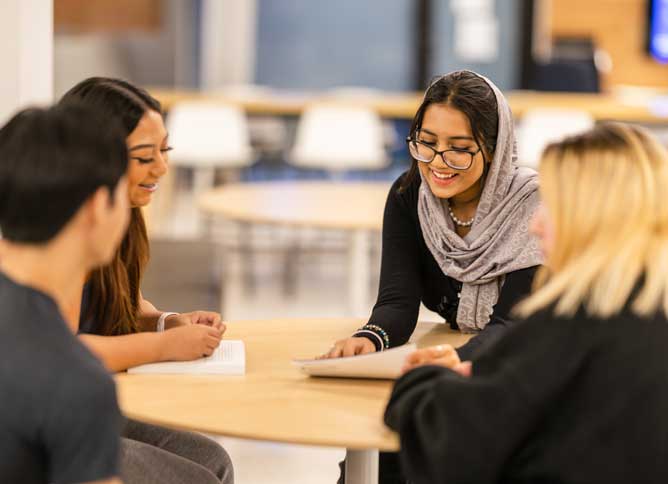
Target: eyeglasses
point(455, 159)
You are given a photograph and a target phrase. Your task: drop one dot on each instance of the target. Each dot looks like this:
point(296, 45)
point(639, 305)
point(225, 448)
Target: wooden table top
point(274, 401)
point(404, 105)
point(329, 205)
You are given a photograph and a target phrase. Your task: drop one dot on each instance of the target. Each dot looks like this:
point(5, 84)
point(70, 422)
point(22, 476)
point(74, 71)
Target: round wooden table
point(354, 207)
point(274, 401)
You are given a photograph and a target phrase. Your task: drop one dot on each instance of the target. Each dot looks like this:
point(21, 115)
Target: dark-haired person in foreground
point(60, 217)
point(578, 391)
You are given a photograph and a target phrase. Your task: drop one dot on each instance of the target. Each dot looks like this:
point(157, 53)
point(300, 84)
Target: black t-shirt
point(410, 275)
point(59, 419)
point(554, 400)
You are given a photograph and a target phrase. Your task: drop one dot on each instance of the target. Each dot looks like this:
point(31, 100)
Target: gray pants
point(157, 455)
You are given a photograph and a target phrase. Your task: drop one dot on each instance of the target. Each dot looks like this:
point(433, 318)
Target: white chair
point(335, 136)
point(268, 134)
point(360, 94)
point(338, 137)
point(542, 126)
point(206, 137)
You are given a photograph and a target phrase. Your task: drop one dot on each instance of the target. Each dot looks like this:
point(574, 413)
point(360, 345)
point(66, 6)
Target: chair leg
point(290, 265)
point(246, 252)
point(203, 181)
point(358, 273)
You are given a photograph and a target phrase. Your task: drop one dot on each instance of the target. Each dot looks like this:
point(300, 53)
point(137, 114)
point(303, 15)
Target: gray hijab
point(499, 241)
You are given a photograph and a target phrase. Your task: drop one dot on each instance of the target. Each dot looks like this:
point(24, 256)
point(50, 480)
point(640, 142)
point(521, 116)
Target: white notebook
point(228, 359)
point(384, 364)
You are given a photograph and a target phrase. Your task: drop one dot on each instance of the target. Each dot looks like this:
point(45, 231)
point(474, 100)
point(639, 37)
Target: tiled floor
point(267, 462)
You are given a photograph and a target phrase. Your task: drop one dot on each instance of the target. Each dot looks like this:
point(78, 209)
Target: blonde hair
point(607, 194)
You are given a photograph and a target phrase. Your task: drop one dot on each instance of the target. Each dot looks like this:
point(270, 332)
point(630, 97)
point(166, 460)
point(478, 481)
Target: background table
point(274, 401)
point(354, 207)
point(403, 105)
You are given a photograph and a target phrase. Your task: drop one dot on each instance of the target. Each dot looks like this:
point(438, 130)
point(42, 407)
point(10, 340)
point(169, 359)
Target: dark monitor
point(571, 69)
point(657, 30)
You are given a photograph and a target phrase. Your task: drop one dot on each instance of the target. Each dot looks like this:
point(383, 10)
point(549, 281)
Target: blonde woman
point(578, 391)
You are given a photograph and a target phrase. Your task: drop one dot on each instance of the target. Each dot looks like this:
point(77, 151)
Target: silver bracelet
point(160, 327)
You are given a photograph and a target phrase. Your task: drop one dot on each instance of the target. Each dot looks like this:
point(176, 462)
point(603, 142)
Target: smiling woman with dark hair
point(121, 327)
point(577, 392)
point(455, 229)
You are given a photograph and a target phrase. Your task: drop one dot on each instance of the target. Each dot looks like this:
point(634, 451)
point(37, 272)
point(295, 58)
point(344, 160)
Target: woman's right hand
point(190, 342)
point(350, 347)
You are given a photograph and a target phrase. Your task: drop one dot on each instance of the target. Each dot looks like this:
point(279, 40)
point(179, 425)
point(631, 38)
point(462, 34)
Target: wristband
point(377, 342)
point(373, 328)
point(160, 327)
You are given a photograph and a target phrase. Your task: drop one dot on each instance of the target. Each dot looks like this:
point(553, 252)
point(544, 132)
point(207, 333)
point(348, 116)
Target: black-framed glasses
point(455, 159)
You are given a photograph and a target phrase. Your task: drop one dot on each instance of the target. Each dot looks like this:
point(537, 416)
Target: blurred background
point(288, 119)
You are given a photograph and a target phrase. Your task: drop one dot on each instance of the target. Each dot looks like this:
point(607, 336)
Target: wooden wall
point(107, 16)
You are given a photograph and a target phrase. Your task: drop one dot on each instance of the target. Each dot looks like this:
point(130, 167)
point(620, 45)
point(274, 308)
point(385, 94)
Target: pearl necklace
point(459, 222)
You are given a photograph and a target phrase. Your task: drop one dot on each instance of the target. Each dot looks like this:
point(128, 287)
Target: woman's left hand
point(207, 318)
point(441, 355)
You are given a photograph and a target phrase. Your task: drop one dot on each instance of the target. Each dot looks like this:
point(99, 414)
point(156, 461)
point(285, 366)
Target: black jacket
point(554, 400)
point(410, 275)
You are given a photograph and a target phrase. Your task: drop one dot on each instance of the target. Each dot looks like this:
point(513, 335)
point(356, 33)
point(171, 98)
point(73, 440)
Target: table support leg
point(222, 263)
point(361, 466)
point(203, 181)
point(358, 274)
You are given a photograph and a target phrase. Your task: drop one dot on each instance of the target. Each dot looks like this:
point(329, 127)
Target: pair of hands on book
point(441, 355)
point(189, 336)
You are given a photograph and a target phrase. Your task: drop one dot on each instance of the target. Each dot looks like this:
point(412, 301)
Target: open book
point(228, 359)
point(383, 364)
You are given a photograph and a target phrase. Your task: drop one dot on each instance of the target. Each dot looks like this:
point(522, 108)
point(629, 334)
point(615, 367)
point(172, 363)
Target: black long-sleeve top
point(410, 275)
point(554, 400)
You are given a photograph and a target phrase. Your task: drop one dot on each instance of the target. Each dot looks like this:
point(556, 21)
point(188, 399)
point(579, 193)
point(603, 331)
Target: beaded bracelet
point(377, 340)
point(378, 330)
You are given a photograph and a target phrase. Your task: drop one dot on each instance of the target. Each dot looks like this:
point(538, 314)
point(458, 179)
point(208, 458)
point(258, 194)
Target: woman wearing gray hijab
point(455, 230)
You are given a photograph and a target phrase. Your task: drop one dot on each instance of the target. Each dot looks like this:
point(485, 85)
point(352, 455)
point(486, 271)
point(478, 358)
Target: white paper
point(228, 359)
point(383, 364)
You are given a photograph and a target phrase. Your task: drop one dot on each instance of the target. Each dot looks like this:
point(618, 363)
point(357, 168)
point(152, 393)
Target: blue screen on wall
point(658, 30)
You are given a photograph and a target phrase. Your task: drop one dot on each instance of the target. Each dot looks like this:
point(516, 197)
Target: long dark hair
point(470, 94)
point(115, 288)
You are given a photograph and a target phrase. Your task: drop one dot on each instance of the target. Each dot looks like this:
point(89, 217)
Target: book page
point(383, 364)
point(228, 359)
